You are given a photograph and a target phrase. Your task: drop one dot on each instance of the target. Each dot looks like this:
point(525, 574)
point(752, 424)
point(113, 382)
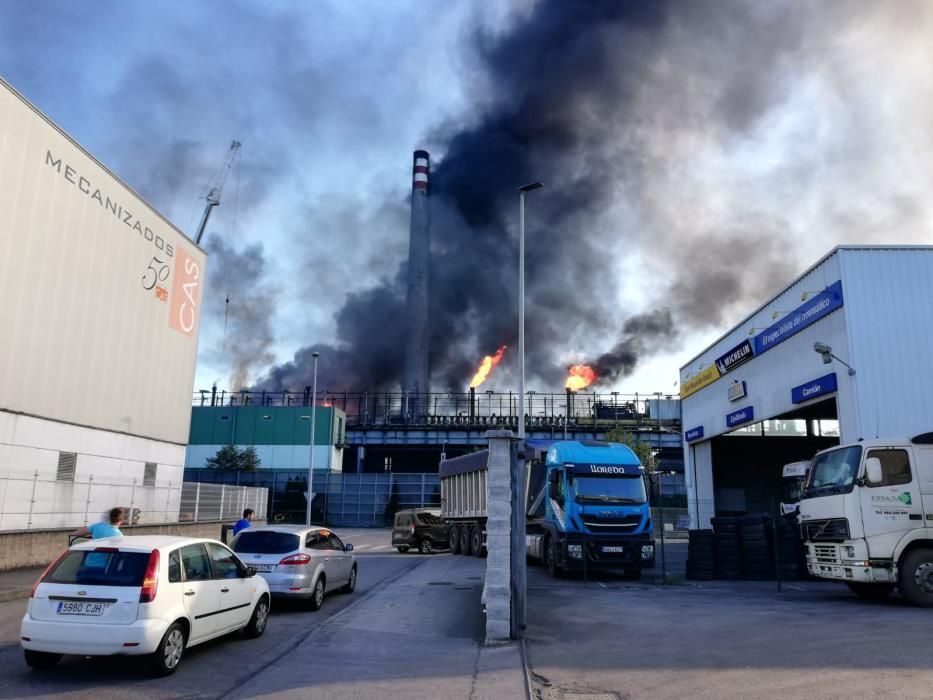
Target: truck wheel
point(550, 560)
point(915, 577)
point(476, 541)
point(871, 591)
point(465, 540)
point(454, 536)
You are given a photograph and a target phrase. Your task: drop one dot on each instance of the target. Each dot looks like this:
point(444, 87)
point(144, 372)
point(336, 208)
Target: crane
point(213, 197)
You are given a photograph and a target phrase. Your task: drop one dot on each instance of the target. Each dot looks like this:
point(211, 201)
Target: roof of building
point(797, 279)
point(591, 452)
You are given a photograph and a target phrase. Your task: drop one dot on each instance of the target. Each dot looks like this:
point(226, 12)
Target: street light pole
point(521, 304)
point(315, 355)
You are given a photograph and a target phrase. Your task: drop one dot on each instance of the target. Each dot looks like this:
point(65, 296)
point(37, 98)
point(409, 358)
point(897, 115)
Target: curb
point(14, 594)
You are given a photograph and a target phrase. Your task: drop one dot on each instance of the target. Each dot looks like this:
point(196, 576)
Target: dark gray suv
point(420, 529)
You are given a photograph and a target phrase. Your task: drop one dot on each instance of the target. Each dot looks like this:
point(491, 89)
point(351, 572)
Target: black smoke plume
point(635, 115)
point(240, 276)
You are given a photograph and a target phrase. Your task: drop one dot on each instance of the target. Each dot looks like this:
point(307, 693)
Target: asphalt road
point(212, 670)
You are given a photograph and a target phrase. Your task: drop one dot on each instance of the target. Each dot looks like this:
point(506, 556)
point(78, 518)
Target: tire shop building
point(841, 354)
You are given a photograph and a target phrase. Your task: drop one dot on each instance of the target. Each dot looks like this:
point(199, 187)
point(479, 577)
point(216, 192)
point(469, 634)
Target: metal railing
point(37, 500)
point(202, 502)
point(340, 500)
point(481, 408)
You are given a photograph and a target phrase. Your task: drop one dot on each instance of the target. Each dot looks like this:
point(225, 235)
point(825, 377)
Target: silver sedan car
point(298, 561)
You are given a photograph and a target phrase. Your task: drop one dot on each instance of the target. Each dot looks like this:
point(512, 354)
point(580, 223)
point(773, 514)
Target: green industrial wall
point(269, 425)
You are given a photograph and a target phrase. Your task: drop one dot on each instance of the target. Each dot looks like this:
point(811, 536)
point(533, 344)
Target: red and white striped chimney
point(421, 170)
point(416, 381)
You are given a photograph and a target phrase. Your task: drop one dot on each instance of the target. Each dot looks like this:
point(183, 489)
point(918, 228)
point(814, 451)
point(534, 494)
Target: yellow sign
point(698, 381)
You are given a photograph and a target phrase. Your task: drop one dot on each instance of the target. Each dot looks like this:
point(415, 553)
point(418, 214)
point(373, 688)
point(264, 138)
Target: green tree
point(229, 458)
point(248, 459)
point(643, 450)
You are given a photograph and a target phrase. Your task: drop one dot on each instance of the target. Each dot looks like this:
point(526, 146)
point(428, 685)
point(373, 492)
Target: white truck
point(866, 517)
point(793, 479)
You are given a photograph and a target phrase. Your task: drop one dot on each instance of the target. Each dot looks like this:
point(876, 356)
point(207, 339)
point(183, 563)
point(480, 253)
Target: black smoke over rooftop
point(651, 125)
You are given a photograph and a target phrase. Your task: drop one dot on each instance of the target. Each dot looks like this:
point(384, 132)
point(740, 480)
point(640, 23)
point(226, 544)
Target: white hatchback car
point(141, 595)
point(298, 561)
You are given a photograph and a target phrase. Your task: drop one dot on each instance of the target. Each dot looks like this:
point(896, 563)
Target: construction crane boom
point(213, 197)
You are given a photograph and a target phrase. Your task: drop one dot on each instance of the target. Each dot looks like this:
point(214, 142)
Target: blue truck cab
point(588, 507)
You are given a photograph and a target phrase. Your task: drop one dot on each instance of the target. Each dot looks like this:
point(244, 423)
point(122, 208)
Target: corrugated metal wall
point(889, 306)
point(89, 289)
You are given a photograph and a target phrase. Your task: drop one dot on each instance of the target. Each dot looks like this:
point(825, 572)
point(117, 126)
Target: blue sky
point(831, 144)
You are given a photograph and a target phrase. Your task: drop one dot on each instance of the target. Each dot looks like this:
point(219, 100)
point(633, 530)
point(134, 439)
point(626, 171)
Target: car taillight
point(45, 573)
point(295, 560)
point(147, 593)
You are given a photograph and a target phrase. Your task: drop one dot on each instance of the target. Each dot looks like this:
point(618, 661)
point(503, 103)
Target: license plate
point(67, 607)
point(611, 550)
point(264, 567)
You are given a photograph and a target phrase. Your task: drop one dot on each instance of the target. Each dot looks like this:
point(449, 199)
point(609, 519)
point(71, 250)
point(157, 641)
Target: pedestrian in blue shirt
point(107, 529)
point(243, 522)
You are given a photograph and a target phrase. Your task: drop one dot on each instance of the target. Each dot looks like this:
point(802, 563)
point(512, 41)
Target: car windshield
point(626, 489)
point(833, 472)
point(266, 542)
point(100, 568)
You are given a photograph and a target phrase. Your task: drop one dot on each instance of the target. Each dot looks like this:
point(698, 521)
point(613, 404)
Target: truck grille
point(825, 554)
point(835, 530)
point(625, 523)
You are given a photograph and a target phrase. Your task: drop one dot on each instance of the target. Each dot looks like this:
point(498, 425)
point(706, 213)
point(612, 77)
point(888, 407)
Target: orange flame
point(580, 377)
point(485, 367)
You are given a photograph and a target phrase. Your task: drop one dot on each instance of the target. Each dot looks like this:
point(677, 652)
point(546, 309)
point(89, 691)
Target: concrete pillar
point(497, 591)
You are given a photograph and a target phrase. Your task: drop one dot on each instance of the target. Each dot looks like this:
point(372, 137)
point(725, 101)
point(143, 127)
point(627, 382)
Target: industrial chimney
point(417, 372)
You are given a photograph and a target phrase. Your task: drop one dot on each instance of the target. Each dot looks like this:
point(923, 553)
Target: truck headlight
point(575, 551)
point(647, 551)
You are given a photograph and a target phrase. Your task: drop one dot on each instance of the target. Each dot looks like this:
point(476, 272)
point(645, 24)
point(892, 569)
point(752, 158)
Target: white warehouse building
point(766, 394)
point(100, 300)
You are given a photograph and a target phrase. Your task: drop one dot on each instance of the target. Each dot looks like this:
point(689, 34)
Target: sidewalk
point(18, 583)
point(420, 637)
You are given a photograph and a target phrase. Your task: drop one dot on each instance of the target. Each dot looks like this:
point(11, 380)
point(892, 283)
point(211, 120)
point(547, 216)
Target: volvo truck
point(866, 517)
point(587, 507)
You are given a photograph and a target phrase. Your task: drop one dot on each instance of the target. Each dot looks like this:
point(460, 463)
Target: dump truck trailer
point(586, 507)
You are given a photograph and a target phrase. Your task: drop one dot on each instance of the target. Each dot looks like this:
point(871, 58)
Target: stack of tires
point(701, 557)
point(755, 547)
point(726, 548)
point(789, 550)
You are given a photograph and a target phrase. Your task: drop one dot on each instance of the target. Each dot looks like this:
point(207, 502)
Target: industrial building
point(280, 434)
point(841, 354)
point(101, 305)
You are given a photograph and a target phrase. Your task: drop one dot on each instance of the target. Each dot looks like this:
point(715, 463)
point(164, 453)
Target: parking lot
point(414, 629)
point(722, 640)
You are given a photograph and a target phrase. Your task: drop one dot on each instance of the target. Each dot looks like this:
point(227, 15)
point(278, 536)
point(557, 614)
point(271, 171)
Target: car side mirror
point(250, 571)
point(348, 547)
point(873, 473)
